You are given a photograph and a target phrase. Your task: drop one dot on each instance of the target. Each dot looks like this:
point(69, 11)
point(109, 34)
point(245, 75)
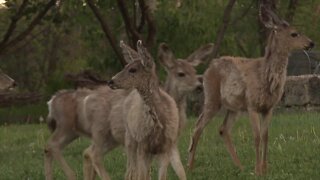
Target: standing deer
point(176, 85)
point(6, 82)
point(67, 122)
point(252, 85)
point(181, 75)
point(87, 113)
point(150, 115)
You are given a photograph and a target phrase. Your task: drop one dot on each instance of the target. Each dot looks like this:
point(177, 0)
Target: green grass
point(23, 114)
point(294, 148)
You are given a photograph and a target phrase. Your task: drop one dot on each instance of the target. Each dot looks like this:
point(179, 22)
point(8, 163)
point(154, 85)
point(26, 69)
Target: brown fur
point(181, 75)
point(151, 118)
point(104, 108)
point(252, 85)
point(81, 112)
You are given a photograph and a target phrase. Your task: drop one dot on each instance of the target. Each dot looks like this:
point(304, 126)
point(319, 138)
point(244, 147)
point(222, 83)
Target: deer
point(66, 122)
point(182, 76)
point(150, 117)
point(181, 80)
point(74, 122)
point(6, 82)
point(253, 85)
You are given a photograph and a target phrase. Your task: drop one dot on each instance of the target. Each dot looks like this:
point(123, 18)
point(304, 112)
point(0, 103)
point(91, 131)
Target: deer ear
point(166, 56)
point(145, 57)
point(199, 55)
point(129, 54)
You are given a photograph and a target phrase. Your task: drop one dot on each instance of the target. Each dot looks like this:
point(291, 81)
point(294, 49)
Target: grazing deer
point(252, 85)
point(181, 75)
point(6, 82)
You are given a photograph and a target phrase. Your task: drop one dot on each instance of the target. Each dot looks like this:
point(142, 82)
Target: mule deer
point(252, 85)
point(88, 113)
point(181, 75)
point(66, 121)
point(150, 115)
point(6, 82)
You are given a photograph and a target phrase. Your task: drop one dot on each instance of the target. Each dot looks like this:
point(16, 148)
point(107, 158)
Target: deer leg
point(202, 121)
point(88, 170)
point(163, 166)
point(48, 158)
point(255, 124)
point(225, 131)
point(98, 149)
point(55, 145)
point(177, 164)
point(131, 151)
point(264, 133)
point(144, 163)
point(92, 165)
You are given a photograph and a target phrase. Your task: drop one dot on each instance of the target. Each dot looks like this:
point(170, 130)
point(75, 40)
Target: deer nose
point(311, 45)
point(199, 88)
point(110, 83)
point(14, 84)
point(200, 79)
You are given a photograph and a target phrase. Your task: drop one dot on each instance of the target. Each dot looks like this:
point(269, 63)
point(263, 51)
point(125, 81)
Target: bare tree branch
point(291, 10)
point(142, 18)
point(25, 42)
point(146, 12)
point(223, 27)
point(241, 47)
point(106, 30)
point(133, 34)
point(244, 14)
point(13, 23)
point(29, 29)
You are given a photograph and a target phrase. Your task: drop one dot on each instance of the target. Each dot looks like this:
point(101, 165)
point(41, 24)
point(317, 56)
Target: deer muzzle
point(310, 46)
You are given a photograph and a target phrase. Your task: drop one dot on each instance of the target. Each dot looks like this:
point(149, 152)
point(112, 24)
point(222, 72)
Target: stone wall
point(302, 90)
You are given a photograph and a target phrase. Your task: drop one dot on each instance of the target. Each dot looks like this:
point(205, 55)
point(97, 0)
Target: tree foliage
point(69, 37)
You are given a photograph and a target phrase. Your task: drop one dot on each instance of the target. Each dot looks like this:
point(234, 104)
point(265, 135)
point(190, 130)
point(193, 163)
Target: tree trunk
point(106, 30)
point(148, 16)
point(222, 29)
point(291, 10)
point(132, 33)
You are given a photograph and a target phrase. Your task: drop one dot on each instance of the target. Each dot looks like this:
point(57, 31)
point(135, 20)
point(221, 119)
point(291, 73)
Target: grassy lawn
point(294, 148)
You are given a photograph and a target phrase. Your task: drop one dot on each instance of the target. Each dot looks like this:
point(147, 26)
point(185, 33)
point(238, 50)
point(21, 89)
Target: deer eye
point(181, 74)
point(132, 70)
point(294, 34)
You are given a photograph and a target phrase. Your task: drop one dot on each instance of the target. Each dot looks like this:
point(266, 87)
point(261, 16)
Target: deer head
point(181, 72)
point(139, 73)
point(281, 32)
point(6, 82)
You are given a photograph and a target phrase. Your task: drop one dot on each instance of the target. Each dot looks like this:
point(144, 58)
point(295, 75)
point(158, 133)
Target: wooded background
point(42, 40)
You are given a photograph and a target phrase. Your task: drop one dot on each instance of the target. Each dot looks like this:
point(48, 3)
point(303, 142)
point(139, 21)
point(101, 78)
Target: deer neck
point(179, 97)
point(150, 94)
point(275, 64)
point(173, 91)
